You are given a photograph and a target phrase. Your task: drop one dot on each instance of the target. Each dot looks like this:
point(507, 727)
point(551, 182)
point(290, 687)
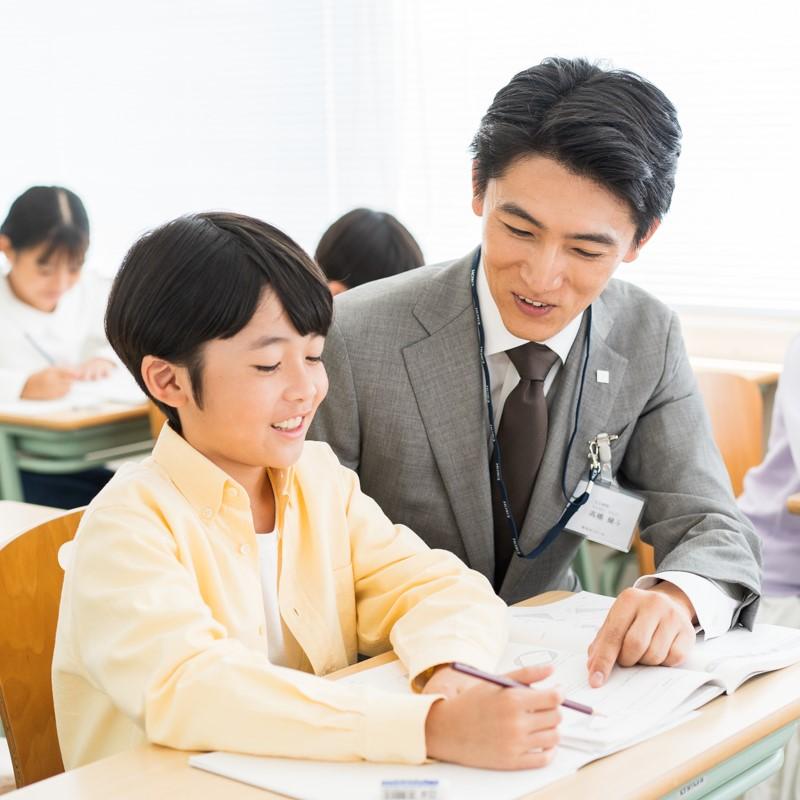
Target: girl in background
point(51, 320)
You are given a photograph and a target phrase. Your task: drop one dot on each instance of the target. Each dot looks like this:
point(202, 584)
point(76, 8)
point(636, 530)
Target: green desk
point(69, 441)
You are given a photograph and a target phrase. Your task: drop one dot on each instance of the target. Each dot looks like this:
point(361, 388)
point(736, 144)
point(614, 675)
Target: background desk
point(793, 504)
point(666, 764)
point(69, 441)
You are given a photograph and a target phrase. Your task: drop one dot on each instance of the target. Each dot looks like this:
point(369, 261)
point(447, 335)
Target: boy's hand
point(48, 384)
point(644, 626)
point(495, 728)
point(448, 682)
point(95, 368)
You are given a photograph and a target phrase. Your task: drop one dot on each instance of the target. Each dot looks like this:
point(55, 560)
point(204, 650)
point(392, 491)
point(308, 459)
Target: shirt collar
point(498, 339)
point(201, 481)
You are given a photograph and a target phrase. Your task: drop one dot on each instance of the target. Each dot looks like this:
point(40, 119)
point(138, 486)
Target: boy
point(206, 583)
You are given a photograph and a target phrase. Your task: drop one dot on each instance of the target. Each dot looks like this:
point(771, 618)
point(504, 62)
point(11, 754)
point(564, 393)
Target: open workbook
point(634, 704)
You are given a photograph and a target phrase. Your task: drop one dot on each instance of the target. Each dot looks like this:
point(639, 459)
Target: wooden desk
point(793, 504)
point(661, 766)
point(69, 441)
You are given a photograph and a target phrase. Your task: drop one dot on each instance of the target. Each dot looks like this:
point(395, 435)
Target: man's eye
point(266, 367)
point(518, 231)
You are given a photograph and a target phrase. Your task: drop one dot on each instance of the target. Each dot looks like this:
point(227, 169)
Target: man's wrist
point(678, 595)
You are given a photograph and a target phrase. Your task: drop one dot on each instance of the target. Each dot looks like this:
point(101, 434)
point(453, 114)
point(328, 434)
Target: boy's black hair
point(50, 214)
point(611, 126)
point(365, 245)
point(201, 277)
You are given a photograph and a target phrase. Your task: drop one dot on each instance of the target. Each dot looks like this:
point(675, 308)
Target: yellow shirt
point(161, 631)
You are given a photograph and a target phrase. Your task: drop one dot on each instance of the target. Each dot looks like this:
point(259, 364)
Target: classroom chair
point(157, 419)
point(736, 409)
point(30, 591)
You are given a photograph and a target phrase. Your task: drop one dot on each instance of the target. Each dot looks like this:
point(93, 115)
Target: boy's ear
point(5, 245)
point(167, 382)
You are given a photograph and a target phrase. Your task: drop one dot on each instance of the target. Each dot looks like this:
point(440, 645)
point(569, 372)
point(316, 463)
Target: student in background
point(363, 246)
point(51, 320)
point(208, 586)
point(766, 489)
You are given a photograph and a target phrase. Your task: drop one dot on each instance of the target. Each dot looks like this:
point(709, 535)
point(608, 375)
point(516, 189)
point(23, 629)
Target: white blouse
point(69, 335)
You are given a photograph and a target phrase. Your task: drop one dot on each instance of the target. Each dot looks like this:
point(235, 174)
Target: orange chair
point(30, 592)
point(736, 409)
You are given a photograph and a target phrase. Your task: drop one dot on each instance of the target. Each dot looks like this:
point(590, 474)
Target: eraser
point(430, 789)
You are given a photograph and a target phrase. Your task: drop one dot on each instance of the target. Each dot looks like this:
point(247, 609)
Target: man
point(573, 170)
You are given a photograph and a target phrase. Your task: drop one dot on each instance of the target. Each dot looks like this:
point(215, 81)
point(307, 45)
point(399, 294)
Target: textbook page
point(741, 654)
point(119, 387)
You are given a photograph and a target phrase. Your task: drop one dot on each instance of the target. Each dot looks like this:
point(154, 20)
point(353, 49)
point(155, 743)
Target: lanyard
point(573, 503)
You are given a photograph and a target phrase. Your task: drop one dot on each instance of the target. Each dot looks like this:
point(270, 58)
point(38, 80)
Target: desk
point(69, 441)
point(793, 504)
point(764, 707)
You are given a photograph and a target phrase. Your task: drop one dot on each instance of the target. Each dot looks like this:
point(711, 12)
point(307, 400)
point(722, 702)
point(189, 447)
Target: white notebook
point(637, 703)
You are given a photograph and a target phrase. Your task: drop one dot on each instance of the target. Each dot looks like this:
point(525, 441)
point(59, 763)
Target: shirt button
point(233, 492)
point(244, 549)
point(207, 513)
point(296, 612)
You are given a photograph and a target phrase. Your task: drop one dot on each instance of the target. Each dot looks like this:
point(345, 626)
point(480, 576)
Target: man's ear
point(635, 249)
point(477, 194)
point(166, 382)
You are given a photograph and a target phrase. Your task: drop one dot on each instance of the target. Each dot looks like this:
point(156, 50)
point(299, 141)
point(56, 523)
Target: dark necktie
point(522, 436)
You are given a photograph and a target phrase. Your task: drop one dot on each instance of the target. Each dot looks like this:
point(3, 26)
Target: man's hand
point(644, 626)
point(95, 368)
point(48, 384)
point(494, 728)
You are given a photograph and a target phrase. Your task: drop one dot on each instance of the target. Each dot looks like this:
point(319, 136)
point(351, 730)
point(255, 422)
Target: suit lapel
point(547, 501)
point(444, 371)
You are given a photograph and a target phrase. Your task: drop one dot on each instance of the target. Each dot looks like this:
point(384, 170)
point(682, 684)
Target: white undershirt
point(268, 569)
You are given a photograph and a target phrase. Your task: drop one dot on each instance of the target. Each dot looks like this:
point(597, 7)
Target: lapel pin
point(602, 376)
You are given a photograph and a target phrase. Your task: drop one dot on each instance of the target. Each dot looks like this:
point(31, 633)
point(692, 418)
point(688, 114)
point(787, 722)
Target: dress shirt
point(69, 335)
point(161, 632)
point(713, 606)
point(767, 486)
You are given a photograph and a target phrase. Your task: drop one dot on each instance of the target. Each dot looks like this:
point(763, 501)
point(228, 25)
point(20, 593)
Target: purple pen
point(508, 683)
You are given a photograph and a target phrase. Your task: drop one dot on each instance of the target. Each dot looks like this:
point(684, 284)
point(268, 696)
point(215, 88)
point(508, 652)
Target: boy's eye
point(314, 359)
point(587, 253)
point(266, 367)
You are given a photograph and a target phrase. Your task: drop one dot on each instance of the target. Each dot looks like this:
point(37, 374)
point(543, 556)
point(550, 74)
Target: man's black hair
point(611, 126)
point(201, 277)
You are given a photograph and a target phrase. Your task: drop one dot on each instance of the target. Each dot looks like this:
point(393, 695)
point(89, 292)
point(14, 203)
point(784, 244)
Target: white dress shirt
point(713, 606)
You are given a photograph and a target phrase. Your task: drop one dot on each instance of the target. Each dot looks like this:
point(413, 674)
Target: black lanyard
point(573, 504)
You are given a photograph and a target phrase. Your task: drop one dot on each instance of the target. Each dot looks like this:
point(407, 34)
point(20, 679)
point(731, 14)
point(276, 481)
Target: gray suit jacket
point(406, 410)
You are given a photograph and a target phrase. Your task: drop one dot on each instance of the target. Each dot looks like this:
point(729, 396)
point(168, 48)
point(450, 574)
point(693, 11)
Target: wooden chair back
point(30, 591)
point(736, 409)
point(157, 419)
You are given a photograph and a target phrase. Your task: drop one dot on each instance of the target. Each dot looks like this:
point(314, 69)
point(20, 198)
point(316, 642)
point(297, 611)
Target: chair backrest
point(157, 419)
point(30, 591)
point(736, 409)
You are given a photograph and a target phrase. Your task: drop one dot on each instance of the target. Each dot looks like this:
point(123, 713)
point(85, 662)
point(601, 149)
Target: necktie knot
point(532, 360)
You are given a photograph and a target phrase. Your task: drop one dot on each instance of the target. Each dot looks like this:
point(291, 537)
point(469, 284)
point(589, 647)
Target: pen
point(508, 683)
point(40, 350)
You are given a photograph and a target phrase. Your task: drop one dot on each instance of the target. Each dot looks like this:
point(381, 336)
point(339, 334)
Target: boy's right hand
point(496, 728)
point(48, 384)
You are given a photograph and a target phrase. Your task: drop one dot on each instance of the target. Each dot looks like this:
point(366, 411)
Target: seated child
point(51, 323)
point(210, 586)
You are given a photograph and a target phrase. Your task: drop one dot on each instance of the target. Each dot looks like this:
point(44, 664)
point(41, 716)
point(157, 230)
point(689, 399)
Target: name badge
point(609, 516)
